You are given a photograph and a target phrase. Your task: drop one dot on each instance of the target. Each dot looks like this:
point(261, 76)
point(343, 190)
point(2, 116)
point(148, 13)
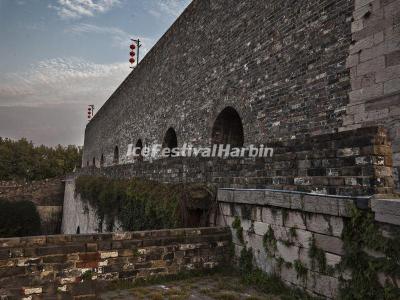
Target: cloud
point(47, 103)
point(120, 38)
point(75, 9)
point(90, 28)
point(60, 80)
point(171, 8)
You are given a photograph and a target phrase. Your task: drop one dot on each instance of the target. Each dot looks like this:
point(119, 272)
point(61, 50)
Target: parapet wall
point(281, 227)
point(67, 266)
point(355, 162)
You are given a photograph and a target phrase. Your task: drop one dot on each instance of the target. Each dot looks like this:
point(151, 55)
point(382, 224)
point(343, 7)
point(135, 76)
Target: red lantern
point(131, 60)
point(133, 47)
point(132, 53)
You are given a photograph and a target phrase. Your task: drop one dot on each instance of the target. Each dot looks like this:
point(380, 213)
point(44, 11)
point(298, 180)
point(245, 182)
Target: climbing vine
point(237, 225)
point(137, 204)
point(317, 256)
point(270, 242)
point(360, 235)
point(267, 283)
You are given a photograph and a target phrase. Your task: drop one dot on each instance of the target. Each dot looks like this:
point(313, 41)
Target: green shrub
point(137, 204)
point(18, 219)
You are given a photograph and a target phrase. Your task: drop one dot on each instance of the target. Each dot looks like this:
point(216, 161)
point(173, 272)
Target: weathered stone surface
point(272, 216)
point(70, 264)
point(325, 224)
point(386, 206)
point(374, 63)
point(329, 243)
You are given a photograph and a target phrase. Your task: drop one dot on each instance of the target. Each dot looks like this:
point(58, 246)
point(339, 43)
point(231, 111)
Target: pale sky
point(58, 56)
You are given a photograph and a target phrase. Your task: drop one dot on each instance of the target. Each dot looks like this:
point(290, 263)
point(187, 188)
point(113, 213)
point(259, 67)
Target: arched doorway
point(138, 150)
point(228, 128)
point(116, 155)
point(139, 147)
point(94, 162)
point(102, 160)
point(170, 139)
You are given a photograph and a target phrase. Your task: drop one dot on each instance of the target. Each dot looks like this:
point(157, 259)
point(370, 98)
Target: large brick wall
point(374, 63)
point(79, 266)
point(355, 162)
point(279, 64)
point(295, 220)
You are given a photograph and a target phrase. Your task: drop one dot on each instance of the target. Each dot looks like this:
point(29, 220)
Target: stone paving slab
point(203, 288)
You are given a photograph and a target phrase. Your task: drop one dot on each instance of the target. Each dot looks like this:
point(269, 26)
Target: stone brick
point(323, 285)
point(329, 243)
point(367, 54)
point(260, 228)
point(289, 254)
point(252, 197)
point(373, 91)
point(294, 220)
point(324, 205)
point(392, 86)
point(272, 216)
point(388, 73)
point(371, 66)
point(386, 206)
point(325, 224)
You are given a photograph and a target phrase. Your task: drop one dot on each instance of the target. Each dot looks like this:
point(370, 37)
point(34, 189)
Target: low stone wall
point(295, 221)
point(355, 162)
point(68, 266)
point(47, 195)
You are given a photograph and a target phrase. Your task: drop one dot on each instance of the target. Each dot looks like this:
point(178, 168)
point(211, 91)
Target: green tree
point(21, 160)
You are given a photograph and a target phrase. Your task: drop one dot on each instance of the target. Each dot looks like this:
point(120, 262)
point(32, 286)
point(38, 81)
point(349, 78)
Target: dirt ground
point(200, 288)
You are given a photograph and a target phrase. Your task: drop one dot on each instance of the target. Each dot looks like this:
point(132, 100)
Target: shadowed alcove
point(228, 128)
point(116, 155)
point(138, 151)
point(170, 139)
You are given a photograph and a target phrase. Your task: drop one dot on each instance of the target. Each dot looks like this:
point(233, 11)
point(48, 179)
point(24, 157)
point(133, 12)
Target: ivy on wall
point(137, 204)
point(361, 236)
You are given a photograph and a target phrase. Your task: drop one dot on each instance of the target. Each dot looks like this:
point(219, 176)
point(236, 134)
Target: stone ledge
point(67, 240)
point(386, 210)
point(315, 203)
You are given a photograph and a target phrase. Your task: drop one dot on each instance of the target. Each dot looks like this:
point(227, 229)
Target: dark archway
point(102, 160)
point(139, 147)
point(78, 230)
point(228, 128)
point(170, 139)
point(116, 155)
point(87, 164)
point(94, 162)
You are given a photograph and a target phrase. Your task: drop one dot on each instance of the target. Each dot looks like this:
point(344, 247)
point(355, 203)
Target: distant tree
point(21, 160)
point(18, 218)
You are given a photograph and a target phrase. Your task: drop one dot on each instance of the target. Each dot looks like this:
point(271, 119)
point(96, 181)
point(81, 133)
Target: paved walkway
point(203, 288)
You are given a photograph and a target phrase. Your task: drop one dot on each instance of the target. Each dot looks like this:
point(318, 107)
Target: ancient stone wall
point(69, 266)
point(47, 195)
point(281, 226)
point(279, 64)
point(374, 63)
point(354, 162)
